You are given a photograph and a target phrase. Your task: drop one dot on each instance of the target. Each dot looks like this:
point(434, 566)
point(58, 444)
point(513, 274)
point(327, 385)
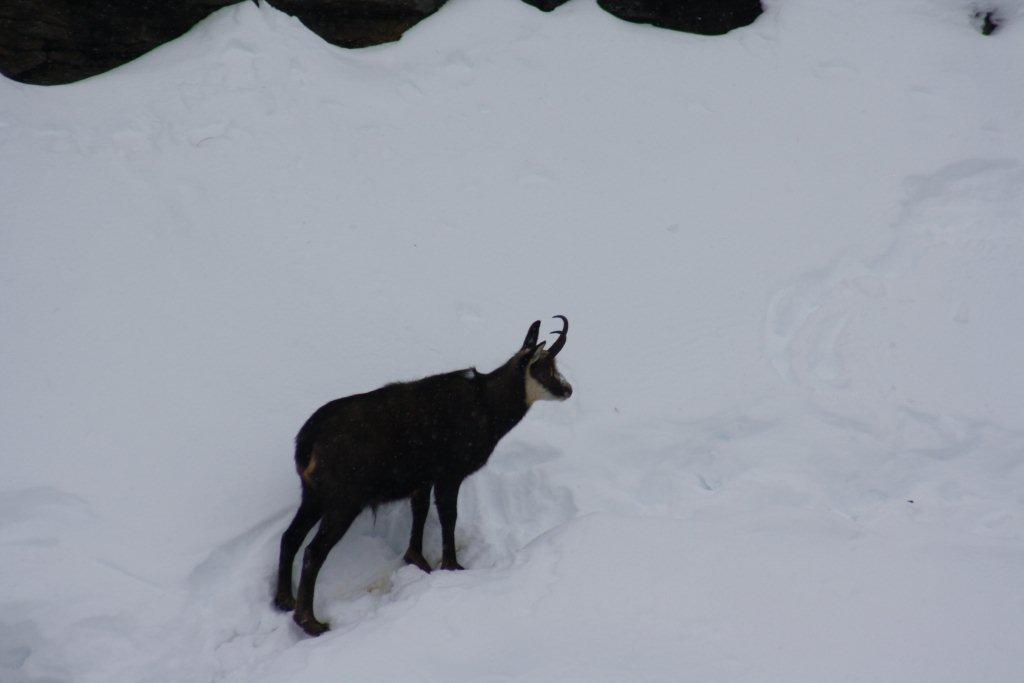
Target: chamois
point(401, 441)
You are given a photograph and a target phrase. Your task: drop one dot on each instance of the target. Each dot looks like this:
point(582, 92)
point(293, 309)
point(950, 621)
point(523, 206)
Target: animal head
point(543, 381)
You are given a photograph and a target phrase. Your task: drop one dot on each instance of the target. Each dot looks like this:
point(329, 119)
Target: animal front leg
point(420, 502)
point(446, 494)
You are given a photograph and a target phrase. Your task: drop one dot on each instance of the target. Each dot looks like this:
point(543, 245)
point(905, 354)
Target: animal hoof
point(284, 602)
point(418, 560)
point(450, 565)
point(309, 624)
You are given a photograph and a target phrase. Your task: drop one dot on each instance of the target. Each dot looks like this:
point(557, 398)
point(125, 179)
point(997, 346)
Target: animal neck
point(505, 395)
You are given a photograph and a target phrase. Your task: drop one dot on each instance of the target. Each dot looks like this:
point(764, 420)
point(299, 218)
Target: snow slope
point(792, 258)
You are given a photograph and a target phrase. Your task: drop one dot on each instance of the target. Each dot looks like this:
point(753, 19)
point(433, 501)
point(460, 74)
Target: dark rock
point(545, 5)
point(59, 41)
point(709, 17)
point(359, 23)
point(987, 22)
point(47, 42)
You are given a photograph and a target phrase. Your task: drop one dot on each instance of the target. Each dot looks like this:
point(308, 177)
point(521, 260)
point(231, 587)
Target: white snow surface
point(792, 258)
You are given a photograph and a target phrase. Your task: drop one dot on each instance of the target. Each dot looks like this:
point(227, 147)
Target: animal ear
point(537, 352)
point(531, 336)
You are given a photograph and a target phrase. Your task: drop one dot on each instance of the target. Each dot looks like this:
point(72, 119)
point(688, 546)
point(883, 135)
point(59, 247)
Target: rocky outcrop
point(710, 17)
point(48, 42)
point(359, 23)
point(546, 5)
point(60, 41)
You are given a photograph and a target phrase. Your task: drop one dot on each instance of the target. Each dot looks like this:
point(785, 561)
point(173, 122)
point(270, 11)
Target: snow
point(791, 257)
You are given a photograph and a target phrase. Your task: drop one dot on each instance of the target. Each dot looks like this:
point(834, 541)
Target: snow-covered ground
point(792, 256)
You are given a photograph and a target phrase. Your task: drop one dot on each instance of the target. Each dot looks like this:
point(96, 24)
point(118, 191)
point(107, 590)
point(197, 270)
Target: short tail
point(304, 442)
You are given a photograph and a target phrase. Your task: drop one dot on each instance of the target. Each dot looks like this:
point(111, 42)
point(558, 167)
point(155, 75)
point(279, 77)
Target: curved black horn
point(531, 335)
point(560, 342)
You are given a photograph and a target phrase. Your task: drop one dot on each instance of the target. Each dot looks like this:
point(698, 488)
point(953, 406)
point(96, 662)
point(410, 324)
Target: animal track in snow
point(845, 326)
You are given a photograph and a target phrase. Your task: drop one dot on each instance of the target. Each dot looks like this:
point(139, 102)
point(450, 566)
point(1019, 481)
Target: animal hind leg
point(334, 525)
point(307, 516)
point(420, 501)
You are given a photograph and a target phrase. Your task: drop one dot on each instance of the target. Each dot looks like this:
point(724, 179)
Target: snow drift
point(792, 257)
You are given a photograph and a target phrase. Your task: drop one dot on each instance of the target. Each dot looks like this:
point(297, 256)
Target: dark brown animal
point(402, 441)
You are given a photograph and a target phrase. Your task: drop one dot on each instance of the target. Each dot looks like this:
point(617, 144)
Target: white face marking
point(535, 391)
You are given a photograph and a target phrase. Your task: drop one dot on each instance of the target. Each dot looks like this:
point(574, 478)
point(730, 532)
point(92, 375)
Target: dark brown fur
point(402, 441)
